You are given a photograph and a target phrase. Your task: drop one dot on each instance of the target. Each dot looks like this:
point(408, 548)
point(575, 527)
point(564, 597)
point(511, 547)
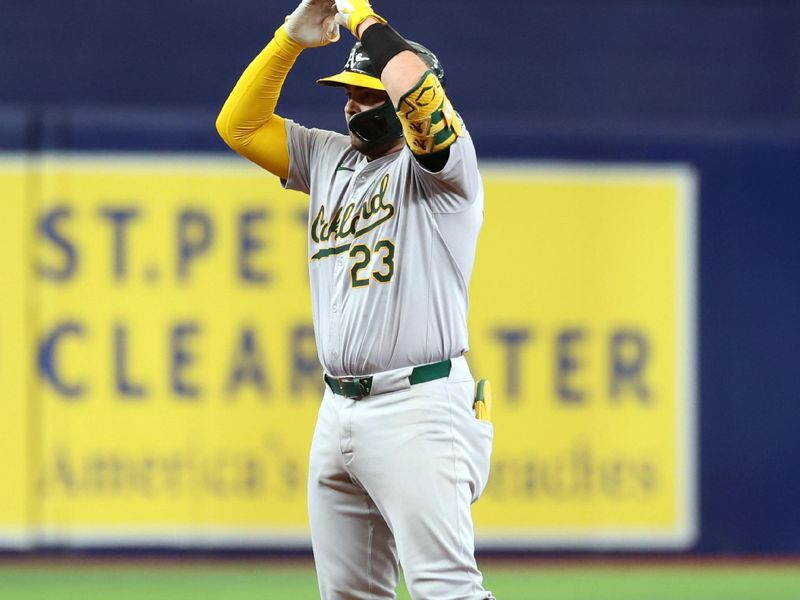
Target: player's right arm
point(247, 121)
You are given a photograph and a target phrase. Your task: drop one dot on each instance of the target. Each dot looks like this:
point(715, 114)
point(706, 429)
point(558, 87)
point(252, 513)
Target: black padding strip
point(382, 43)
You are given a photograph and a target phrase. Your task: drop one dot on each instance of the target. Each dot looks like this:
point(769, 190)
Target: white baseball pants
point(391, 478)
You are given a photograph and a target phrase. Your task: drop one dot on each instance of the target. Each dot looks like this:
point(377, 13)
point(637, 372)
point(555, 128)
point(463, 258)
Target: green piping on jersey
point(331, 251)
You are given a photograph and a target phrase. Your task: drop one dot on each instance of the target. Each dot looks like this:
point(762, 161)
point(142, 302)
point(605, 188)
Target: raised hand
point(313, 23)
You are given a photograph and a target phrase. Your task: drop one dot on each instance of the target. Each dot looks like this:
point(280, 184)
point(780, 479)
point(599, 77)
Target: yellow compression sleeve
point(247, 121)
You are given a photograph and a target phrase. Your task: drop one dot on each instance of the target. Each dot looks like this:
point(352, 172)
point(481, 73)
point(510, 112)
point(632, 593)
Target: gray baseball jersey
point(391, 248)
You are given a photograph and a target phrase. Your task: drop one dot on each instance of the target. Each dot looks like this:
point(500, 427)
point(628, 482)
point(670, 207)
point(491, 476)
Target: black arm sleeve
point(434, 162)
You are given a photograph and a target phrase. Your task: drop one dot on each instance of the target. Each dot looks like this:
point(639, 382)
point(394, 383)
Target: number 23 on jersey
point(379, 258)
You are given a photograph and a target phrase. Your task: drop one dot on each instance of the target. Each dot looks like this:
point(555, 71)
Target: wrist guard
point(430, 124)
point(382, 43)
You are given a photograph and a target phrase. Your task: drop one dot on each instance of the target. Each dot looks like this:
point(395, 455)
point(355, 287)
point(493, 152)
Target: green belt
point(358, 387)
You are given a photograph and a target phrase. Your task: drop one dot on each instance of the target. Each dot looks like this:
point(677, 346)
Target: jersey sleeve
point(308, 147)
point(458, 185)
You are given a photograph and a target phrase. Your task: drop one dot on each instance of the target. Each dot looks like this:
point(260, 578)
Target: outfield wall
point(634, 302)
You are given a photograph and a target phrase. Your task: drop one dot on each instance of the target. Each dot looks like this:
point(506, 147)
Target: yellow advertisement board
point(582, 314)
point(178, 371)
point(15, 369)
point(178, 382)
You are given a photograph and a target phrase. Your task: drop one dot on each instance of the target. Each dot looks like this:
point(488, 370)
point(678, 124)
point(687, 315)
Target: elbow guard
point(430, 124)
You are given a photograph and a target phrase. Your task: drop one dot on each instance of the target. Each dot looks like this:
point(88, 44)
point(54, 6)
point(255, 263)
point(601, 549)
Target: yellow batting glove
point(352, 13)
point(483, 400)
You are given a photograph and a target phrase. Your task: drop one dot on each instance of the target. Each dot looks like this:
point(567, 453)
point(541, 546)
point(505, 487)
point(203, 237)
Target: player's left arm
point(430, 124)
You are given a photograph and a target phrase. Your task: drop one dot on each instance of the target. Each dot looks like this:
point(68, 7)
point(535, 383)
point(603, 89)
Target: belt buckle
point(364, 385)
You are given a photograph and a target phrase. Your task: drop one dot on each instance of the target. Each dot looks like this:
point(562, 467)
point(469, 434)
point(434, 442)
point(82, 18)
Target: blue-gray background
point(710, 83)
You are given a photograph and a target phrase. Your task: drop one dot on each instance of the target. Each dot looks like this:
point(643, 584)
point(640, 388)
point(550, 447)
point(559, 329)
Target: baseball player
point(398, 454)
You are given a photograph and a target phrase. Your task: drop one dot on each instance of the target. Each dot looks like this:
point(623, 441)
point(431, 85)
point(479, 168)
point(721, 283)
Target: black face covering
point(376, 125)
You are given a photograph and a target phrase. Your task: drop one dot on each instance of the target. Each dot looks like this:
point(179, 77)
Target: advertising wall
point(129, 385)
point(16, 414)
point(164, 380)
